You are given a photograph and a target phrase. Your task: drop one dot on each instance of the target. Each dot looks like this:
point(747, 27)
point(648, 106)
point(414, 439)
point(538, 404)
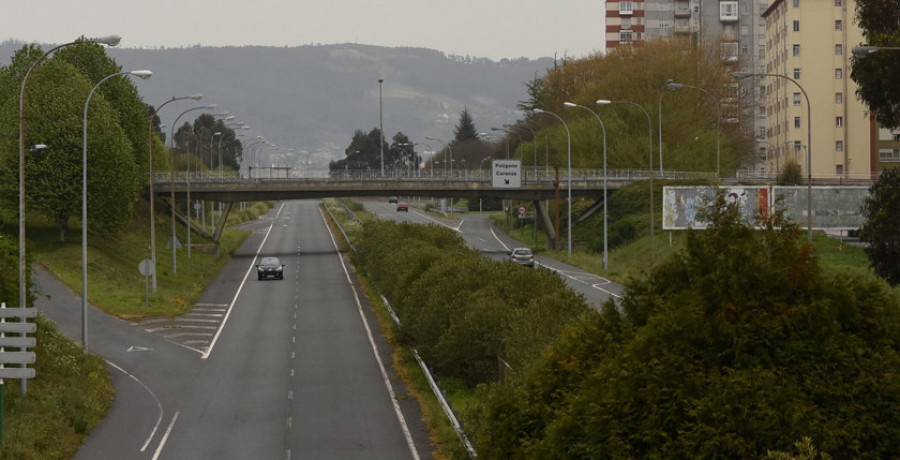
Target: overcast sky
point(494, 29)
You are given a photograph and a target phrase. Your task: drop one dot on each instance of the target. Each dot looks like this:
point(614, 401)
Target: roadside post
point(15, 357)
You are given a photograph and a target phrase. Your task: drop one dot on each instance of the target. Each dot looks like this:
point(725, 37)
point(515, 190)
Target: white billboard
point(836, 208)
point(681, 205)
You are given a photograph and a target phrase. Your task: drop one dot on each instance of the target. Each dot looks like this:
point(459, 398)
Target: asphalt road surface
point(277, 370)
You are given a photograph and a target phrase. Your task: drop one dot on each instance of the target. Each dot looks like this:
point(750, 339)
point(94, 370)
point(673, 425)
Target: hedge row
point(461, 310)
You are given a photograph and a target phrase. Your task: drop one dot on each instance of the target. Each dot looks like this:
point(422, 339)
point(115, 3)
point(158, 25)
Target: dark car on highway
point(270, 267)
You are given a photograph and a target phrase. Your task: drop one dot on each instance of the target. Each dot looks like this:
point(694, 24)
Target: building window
point(796, 3)
point(796, 73)
point(839, 169)
point(797, 145)
point(839, 146)
point(839, 122)
point(626, 7)
point(796, 122)
point(837, 2)
point(838, 24)
point(796, 50)
point(796, 25)
point(728, 11)
point(838, 98)
point(838, 49)
point(796, 98)
point(625, 37)
point(838, 74)
point(889, 155)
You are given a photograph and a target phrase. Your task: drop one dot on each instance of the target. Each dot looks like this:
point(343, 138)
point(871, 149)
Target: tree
point(55, 108)
point(689, 128)
point(91, 60)
point(737, 345)
point(880, 23)
point(882, 212)
point(790, 174)
point(402, 154)
point(362, 153)
point(535, 90)
point(465, 129)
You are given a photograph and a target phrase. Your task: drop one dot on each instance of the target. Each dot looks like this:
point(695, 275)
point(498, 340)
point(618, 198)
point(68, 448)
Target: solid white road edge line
point(158, 404)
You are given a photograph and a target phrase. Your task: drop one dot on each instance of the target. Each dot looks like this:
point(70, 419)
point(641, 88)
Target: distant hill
point(312, 98)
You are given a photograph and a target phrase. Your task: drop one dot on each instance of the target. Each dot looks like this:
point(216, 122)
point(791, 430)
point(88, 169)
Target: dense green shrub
point(736, 346)
point(461, 310)
point(882, 212)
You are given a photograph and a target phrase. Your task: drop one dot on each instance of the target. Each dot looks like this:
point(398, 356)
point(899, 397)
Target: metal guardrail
point(436, 389)
point(341, 227)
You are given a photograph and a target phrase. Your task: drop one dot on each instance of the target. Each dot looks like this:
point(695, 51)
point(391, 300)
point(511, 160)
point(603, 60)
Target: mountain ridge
point(312, 98)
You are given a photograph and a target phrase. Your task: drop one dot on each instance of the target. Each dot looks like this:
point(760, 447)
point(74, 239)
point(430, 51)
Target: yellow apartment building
point(810, 42)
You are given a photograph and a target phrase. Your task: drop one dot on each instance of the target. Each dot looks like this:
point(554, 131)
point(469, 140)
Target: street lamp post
point(172, 169)
point(861, 51)
point(446, 144)
point(605, 227)
point(381, 125)
point(602, 102)
point(111, 40)
point(659, 124)
point(508, 132)
point(144, 74)
point(809, 222)
point(195, 97)
point(676, 86)
point(212, 215)
point(569, 156)
point(533, 142)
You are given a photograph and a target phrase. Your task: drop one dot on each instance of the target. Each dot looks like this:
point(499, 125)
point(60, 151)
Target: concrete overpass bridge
point(538, 186)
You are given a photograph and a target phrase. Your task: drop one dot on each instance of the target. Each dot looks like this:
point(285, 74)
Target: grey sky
point(480, 28)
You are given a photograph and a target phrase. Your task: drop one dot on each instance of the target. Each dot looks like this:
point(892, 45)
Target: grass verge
point(69, 395)
point(114, 283)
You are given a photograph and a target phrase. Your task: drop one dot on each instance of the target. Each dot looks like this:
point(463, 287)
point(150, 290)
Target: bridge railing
point(530, 175)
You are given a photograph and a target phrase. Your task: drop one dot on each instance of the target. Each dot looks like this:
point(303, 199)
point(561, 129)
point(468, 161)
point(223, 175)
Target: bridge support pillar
point(543, 213)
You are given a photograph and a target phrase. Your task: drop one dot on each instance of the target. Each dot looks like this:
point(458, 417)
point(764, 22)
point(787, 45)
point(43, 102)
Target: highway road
point(478, 232)
point(280, 369)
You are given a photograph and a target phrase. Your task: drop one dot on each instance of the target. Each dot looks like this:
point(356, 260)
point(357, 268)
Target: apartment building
point(810, 42)
point(737, 28)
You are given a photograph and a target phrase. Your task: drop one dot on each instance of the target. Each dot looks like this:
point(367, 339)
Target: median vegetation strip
point(737, 335)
